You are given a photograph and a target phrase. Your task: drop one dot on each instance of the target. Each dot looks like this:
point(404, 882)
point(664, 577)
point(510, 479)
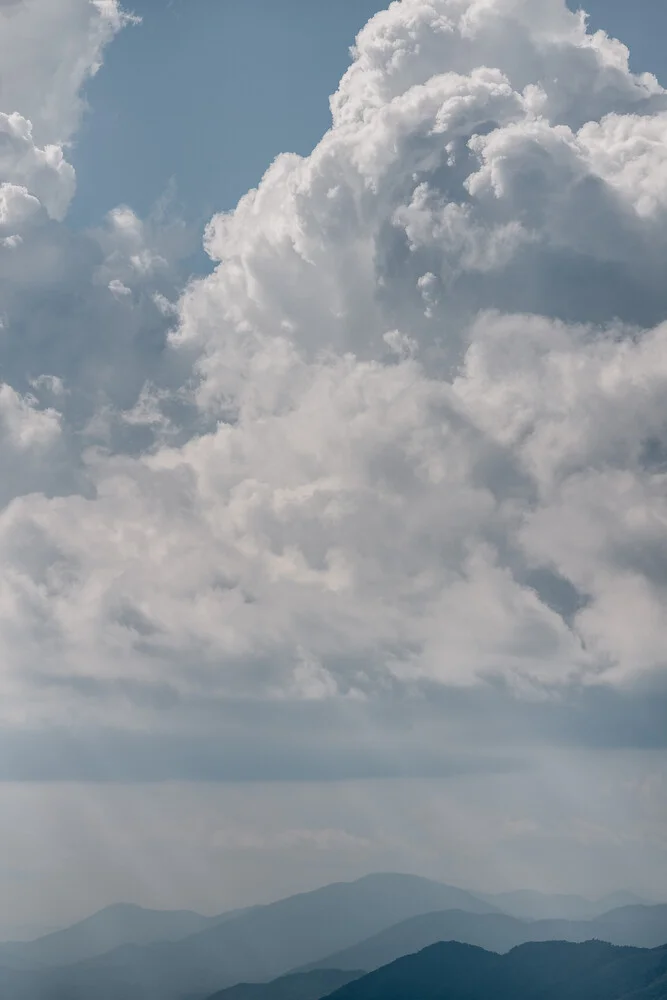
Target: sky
point(262, 73)
point(347, 554)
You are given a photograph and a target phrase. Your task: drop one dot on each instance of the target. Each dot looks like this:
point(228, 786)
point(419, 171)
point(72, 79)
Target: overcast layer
point(382, 499)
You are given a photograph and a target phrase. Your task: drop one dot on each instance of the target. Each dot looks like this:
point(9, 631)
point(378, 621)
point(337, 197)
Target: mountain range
point(530, 905)
point(111, 928)
point(641, 926)
point(548, 971)
point(299, 948)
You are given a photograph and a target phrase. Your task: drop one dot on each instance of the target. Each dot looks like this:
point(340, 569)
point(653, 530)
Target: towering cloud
point(411, 430)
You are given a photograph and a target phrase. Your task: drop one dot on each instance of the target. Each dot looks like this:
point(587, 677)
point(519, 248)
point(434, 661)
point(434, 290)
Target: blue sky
point(350, 554)
point(205, 93)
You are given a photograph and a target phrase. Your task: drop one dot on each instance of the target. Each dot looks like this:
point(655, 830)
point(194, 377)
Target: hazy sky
point(350, 555)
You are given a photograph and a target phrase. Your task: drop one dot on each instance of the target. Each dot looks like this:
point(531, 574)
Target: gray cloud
point(380, 499)
point(405, 420)
point(126, 759)
point(452, 734)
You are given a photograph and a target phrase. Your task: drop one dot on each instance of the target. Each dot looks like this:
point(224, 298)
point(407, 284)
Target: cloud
point(450, 735)
point(376, 508)
point(114, 757)
point(47, 53)
point(59, 317)
point(41, 173)
point(410, 44)
point(411, 431)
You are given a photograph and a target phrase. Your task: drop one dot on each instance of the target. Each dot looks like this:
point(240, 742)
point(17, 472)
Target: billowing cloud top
point(412, 430)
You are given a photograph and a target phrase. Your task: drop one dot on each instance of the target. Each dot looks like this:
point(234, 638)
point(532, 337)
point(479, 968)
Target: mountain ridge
point(530, 904)
point(295, 986)
point(111, 927)
point(344, 927)
point(551, 970)
point(643, 926)
point(260, 945)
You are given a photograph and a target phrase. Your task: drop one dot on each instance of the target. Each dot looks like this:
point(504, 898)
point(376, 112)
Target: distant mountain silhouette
point(641, 926)
point(347, 926)
point(111, 928)
point(257, 946)
point(546, 971)
point(529, 905)
point(298, 986)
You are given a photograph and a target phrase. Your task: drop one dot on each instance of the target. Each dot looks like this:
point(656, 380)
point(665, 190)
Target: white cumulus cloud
point(412, 429)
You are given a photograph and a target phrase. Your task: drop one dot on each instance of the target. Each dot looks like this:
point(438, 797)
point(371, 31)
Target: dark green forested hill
point(536, 971)
point(298, 986)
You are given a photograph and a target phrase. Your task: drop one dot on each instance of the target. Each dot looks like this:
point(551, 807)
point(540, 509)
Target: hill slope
point(111, 928)
point(547, 971)
point(298, 986)
point(642, 927)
